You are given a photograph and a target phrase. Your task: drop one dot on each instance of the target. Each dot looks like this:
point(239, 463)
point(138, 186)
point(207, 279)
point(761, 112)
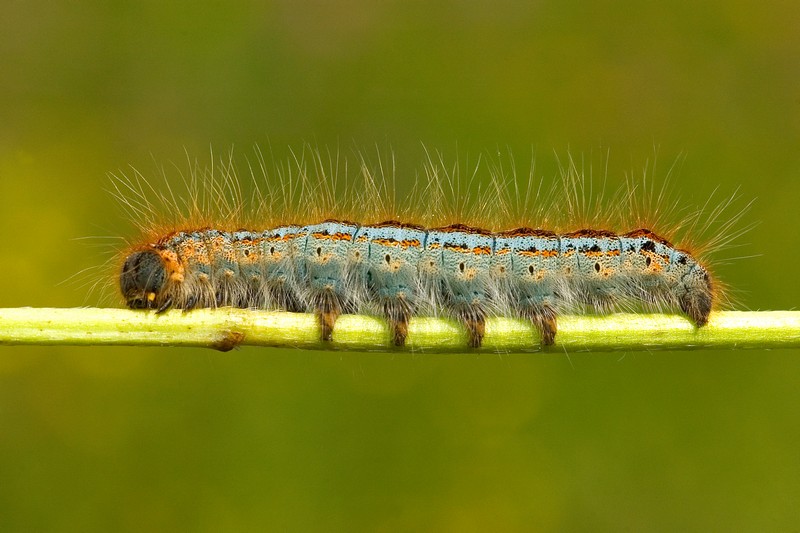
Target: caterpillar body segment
point(387, 258)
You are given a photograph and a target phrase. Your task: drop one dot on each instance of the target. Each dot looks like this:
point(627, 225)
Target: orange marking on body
point(172, 264)
point(191, 249)
point(478, 250)
point(217, 246)
point(338, 236)
point(542, 253)
point(404, 244)
point(279, 238)
point(457, 248)
point(655, 265)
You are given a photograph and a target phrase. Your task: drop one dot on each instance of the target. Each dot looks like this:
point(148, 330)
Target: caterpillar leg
point(165, 306)
point(398, 312)
point(328, 310)
point(543, 319)
point(400, 328)
point(474, 318)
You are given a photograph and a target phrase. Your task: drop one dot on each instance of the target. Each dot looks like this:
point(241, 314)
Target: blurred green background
point(260, 439)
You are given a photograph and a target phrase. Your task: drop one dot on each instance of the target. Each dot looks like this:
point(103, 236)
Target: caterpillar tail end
point(698, 298)
point(698, 307)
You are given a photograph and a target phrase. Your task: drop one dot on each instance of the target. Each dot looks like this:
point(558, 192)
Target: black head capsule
point(143, 276)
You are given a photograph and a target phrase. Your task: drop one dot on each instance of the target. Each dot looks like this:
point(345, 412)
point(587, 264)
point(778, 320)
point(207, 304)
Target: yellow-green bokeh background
point(112, 439)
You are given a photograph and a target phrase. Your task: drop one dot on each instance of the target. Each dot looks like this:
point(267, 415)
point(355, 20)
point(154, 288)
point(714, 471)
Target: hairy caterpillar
point(371, 256)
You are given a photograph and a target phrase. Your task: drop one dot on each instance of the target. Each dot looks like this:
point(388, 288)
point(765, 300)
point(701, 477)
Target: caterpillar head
point(142, 280)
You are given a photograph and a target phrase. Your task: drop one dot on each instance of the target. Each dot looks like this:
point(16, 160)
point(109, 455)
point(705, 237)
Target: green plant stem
point(226, 328)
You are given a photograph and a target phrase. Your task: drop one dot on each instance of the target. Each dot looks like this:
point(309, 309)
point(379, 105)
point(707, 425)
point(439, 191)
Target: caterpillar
point(394, 264)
